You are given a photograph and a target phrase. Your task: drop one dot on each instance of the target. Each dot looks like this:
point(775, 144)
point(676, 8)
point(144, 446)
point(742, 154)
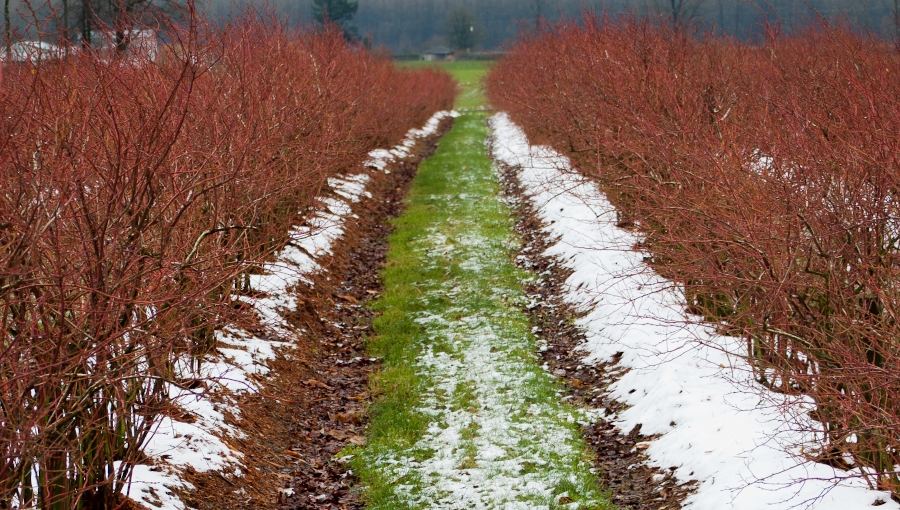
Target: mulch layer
point(314, 402)
point(620, 458)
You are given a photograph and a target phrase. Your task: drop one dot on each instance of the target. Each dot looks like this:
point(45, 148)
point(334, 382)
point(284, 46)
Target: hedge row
point(134, 198)
point(765, 177)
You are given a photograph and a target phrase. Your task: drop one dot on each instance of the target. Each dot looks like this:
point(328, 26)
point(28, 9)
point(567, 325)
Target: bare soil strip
point(314, 403)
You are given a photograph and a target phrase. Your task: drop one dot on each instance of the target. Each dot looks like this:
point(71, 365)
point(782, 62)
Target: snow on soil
point(241, 357)
point(496, 450)
point(496, 468)
point(687, 384)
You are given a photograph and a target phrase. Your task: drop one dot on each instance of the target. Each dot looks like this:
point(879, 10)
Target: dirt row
point(619, 454)
point(314, 403)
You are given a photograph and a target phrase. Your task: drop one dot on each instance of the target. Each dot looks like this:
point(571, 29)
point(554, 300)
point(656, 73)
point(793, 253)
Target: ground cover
point(632, 479)
point(465, 416)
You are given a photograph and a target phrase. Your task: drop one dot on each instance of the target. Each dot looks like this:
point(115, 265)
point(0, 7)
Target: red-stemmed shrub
point(134, 196)
point(765, 178)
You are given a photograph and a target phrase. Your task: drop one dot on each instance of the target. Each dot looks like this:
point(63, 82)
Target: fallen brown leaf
point(318, 384)
point(340, 435)
point(348, 417)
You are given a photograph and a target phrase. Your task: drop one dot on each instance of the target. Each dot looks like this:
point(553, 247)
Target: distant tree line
point(413, 26)
point(409, 26)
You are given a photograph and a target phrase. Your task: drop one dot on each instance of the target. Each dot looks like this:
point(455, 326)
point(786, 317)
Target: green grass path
point(465, 418)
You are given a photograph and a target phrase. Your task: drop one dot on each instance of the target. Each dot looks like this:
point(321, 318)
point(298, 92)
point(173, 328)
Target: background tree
point(7, 28)
point(539, 9)
point(681, 10)
point(897, 19)
point(463, 29)
point(339, 12)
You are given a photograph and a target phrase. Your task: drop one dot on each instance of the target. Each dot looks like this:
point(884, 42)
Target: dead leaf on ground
point(348, 417)
point(340, 435)
point(318, 384)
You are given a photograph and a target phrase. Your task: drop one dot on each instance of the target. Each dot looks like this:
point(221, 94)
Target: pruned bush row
point(765, 178)
point(134, 198)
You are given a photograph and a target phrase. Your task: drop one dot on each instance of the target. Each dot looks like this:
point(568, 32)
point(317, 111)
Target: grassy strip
point(465, 416)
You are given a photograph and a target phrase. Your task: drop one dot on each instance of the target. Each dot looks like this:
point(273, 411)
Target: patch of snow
point(154, 486)
point(380, 158)
point(496, 450)
point(241, 357)
point(351, 187)
point(686, 383)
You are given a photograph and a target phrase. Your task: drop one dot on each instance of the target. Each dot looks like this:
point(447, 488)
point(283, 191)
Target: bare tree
point(897, 19)
point(7, 28)
point(680, 10)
